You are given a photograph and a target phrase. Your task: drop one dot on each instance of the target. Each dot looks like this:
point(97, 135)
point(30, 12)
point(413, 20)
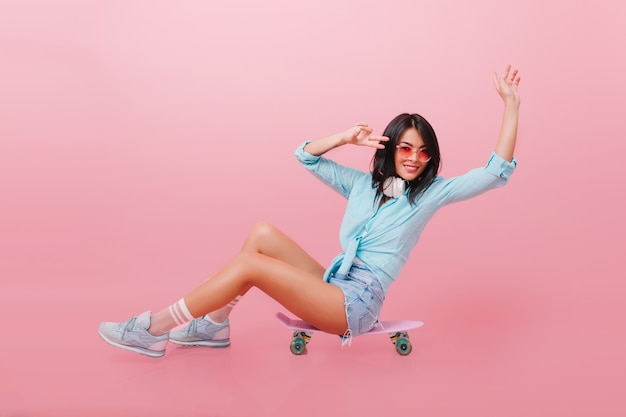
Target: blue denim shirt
point(382, 237)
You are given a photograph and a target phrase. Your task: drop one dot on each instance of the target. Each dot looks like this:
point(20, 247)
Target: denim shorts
point(363, 297)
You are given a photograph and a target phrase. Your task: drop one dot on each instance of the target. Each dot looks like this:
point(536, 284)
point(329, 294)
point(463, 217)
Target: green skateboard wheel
point(403, 346)
point(298, 346)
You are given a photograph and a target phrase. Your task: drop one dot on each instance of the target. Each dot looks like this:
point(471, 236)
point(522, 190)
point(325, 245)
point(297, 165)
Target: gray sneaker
point(202, 332)
point(133, 335)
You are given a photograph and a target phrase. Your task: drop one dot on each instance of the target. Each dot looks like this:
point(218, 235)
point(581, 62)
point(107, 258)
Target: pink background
point(140, 141)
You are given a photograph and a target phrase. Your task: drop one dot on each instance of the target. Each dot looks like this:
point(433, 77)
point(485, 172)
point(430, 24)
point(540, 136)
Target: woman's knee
point(261, 232)
point(245, 264)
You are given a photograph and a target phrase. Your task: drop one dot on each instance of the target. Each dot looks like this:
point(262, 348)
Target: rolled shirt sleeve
point(337, 177)
point(475, 182)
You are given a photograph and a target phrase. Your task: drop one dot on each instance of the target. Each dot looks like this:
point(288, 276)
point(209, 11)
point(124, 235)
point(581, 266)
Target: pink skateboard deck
point(396, 329)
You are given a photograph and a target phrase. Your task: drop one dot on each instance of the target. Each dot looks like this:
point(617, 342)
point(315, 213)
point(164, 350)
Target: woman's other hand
point(506, 85)
point(361, 135)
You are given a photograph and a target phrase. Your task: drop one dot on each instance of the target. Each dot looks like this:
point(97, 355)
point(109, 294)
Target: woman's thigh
point(305, 295)
point(268, 240)
point(301, 292)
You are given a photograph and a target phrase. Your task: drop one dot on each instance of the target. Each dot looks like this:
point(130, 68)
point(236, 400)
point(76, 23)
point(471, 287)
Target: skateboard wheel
point(403, 346)
point(298, 346)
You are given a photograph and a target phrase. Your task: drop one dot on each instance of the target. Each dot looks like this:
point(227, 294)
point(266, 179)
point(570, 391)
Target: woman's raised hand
point(506, 85)
point(361, 135)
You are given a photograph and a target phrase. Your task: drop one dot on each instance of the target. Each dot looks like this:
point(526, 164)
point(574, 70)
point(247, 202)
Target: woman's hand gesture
point(361, 135)
point(506, 85)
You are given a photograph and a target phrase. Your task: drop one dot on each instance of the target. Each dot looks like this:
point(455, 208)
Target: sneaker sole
point(141, 351)
point(209, 343)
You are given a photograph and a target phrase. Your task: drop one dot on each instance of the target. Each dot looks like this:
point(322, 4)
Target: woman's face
point(409, 167)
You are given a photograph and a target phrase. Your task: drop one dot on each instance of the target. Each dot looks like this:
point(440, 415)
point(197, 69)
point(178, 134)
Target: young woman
point(386, 213)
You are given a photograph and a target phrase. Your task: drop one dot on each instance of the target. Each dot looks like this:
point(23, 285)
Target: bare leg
point(270, 261)
point(268, 240)
point(301, 292)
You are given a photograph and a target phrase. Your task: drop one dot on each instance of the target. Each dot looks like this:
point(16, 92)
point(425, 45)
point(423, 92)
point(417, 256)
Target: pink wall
point(139, 141)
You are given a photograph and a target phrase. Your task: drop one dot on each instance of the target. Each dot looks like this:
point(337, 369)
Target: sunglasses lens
point(405, 151)
point(423, 155)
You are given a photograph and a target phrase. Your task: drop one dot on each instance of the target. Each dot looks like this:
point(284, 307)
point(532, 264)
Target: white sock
point(165, 320)
point(218, 316)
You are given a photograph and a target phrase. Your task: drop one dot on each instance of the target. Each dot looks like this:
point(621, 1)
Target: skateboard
point(396, 329)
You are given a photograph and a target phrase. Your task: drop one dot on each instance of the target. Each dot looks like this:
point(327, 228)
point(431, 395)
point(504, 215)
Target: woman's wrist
point(341, 139)
point(321, 146)
point(511, 104)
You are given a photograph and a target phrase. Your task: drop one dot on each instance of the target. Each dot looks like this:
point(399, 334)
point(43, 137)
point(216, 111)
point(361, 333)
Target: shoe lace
point(128, 326)
point(191, 329)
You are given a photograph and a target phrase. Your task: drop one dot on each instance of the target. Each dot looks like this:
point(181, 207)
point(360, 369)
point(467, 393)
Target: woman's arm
point(506, 85)
point(361, 134)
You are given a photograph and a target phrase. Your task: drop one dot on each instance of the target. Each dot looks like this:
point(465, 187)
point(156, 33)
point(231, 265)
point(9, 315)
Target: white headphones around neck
point(394, 187)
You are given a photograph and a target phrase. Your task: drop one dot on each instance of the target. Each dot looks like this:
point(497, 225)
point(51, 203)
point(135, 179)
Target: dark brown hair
point(383, 162)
